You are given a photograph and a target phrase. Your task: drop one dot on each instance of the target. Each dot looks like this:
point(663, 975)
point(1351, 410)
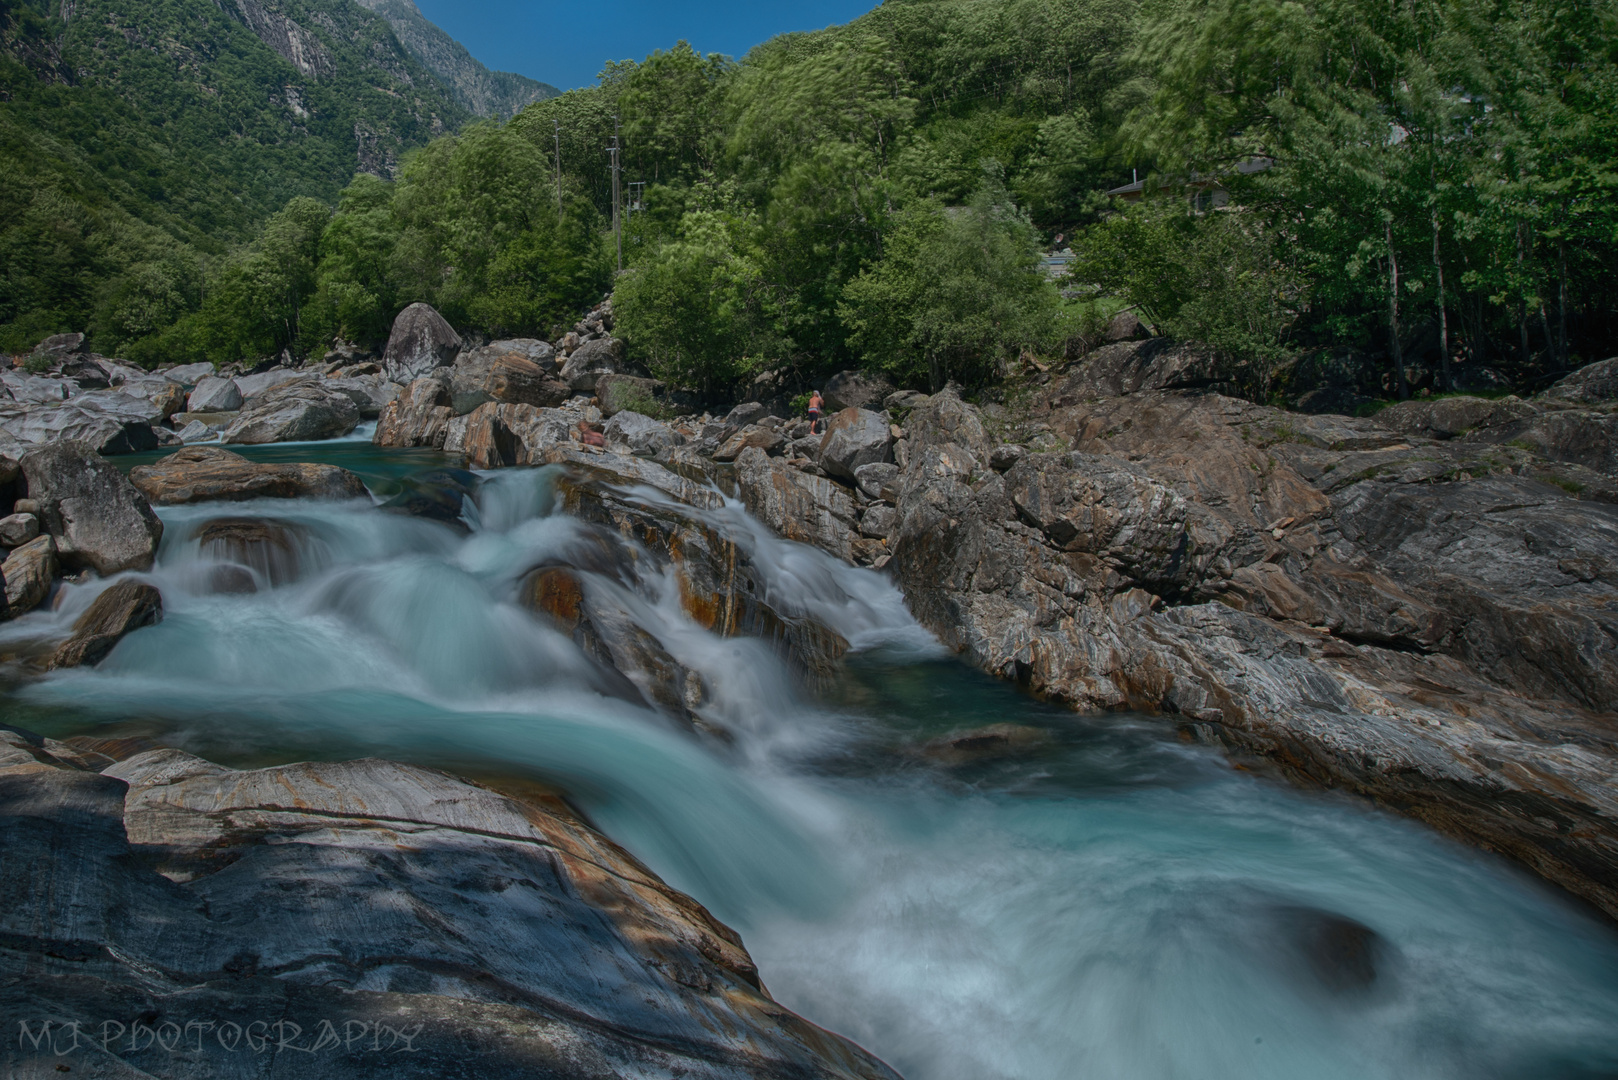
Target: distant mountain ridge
point(477, 89)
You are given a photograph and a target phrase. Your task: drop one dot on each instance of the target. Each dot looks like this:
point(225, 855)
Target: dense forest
point(1422, 192)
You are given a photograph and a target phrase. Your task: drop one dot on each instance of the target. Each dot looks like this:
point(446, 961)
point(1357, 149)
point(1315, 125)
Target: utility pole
point(617, 223)
point(558, 124)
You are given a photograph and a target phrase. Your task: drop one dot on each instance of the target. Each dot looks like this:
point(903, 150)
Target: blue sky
point(565, 43)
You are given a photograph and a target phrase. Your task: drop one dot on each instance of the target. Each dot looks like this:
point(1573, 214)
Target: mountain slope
point(477, 89)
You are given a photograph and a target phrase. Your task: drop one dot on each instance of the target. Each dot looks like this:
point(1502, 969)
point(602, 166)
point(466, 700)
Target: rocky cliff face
point(1432, 623)
point(480, 91)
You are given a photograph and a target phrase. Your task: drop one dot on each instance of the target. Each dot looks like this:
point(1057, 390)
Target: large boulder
point(640, 434)
point(108, 421)
point(421, 341)
point(97, 518)
point(520, 371)
point(1592, 384)
point(208, 473)
point(1452, 417)
point(249, 385)
point(1129, 367)
point(165, 395)
point(498, 435)
point(854, 437)
point(418, 416)
point(590, 361)
point(428, 920)
point(855, 390)
point(295, 412)
point(28, 389)
point(126, 606)
point(188, 374)
point(214, 394)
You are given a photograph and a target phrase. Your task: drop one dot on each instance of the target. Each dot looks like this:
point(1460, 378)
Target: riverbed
point(1059, 896)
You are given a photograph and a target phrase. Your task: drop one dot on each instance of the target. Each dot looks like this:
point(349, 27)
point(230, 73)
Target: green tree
point(957, 294)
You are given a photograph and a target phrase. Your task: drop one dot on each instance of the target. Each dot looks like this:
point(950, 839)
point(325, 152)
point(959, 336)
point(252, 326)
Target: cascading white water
point(1109, 903)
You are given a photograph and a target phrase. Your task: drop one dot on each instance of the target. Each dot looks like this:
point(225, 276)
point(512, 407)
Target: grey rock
point(854, 437)
point(903, 400)
point(59, 345)
point(520, 371)
point(249, 385)
point(1585, 437)
point(878, 521)
point(1592, 384)
point(195, 431)
point(748, 412)
point(640, 434)
point(17, 529)
point(93, 513)
point(1005, 456)
point(590, 361)
point(166, 395)
point(108, 421)
point(1129, 367)
point(419, 416)
point(766, 439)
point(875, 478)
point(809, 509)
point(188, 374)
point(215, 394)
point(295, 412)
point(365, 391)
point(855, 390)
point(420, 341)
point(28, 389)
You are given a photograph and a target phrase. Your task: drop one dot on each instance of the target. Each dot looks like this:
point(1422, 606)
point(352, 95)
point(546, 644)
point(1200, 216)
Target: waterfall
point(1107, 902)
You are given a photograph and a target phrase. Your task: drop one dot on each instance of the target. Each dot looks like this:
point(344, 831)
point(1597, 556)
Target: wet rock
point(214, 394)
point(478, 924)
point(639, 434)
point(1593, 384)
point(125, 607)
point(268, 547)
point(1342, 955)
point(207, 473)
point(590, 361)
point(984, 744)
point(519, 371)
point(419, 416)
point(296, 412)
point(854, 437)
point(28, 572)
point(96, 516)
point(809, 509)
point(17, 529)
point(420, 341)
point(855, 390)
point(437, 495)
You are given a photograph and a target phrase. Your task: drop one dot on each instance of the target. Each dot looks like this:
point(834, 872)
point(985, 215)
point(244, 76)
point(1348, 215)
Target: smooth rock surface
point(419, 416)
point(28, 572)
point(809, 509)
point(854, 437)
point(299, 411)
point(519, 371)
point(214, 394)
point(590, 361)
point(206, 473)
point(481, 928)
point(639, 434)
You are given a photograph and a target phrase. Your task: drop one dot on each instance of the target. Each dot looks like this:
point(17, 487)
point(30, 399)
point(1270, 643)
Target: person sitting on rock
point(816, 404)
point(590, 436)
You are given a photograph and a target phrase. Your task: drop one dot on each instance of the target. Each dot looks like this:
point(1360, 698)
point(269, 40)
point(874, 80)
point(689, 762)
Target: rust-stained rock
point(28, 573)
point(418, 416)
point(268, 546)
point(126, 606)
point(441, 916)
point(506, 371)
point(206, 473)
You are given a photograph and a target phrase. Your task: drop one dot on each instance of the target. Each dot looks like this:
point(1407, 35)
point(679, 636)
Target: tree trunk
point(934, 374)
point(1393, 315)
point(1522, 305)
point(1561, 300)
point(1443, 315)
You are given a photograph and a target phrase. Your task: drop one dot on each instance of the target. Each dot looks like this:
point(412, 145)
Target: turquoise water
point(1100, 900)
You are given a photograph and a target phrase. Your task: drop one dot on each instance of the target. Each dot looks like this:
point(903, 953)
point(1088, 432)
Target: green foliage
point(957, 294)
point(1219, 278)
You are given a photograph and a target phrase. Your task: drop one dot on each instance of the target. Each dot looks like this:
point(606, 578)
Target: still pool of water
point(1093, 899)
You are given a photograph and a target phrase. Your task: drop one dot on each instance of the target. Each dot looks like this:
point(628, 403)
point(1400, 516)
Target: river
point(1103, 901)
